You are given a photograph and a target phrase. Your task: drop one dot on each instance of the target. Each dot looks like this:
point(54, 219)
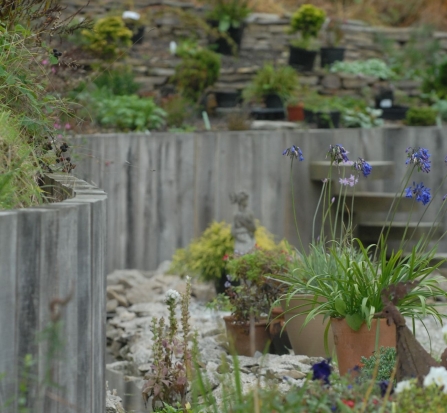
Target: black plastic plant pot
point(330, 55)
point(384, 99)
point(138, 36)
point(302, 59)
point(328, 120)
point(228, 99)
point(273, 101)
point(394, 113)
point(309, 116)
point(221, 45)
point(268, 114)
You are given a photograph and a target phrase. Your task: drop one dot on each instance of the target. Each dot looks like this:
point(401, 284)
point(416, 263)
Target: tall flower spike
point(362, 166)
point(420, 192)
point(338, 153)
point(419, 157)
point(294, 152)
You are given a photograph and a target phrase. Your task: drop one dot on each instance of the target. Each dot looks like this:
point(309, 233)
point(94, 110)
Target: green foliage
point(206, 256)
point(168, 379)
point(421, 116)
point(435, 80)
point(386, 361)
point(129, 113)
point(118, 82)
point(362, 118)
point(178, 110)
point(422, 399)
point(307, 20)
point(370, 67)
point(229, 13)
point(109, 39)
point(270, 79)
point(198, 70)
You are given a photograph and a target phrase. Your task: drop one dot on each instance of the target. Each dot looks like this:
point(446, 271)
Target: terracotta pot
point(240, 339)
point(308, 340)
point(295, 113)
point(351, 345)
point(278, 334)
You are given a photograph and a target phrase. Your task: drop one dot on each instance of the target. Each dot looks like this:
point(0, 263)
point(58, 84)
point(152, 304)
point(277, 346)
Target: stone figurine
point(244, 226)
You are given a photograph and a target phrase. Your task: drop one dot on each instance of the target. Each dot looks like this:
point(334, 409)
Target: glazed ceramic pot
point(351, 345)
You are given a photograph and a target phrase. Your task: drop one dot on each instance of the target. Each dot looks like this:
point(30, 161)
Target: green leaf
point(354, 321)
point(54, 60)
point(224, 24)
point(340, 306)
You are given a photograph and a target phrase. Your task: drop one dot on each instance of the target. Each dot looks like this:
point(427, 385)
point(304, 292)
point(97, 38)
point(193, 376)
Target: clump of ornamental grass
point(168, 379)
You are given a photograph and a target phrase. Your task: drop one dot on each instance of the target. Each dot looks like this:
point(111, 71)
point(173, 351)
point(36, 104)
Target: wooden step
point(319, 170)
point(378, 202)
point(370, 231)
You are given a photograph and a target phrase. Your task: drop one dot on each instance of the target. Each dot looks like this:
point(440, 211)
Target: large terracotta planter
point(308, 340)
point(240, 339)
point(351, 345)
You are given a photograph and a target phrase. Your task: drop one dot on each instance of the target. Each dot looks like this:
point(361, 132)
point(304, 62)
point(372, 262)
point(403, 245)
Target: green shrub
point(118, 82)
point(205, 256)
point(229, 13)
point(370, 67)
point(178, 109)
point(421, 116)
point(281, 80)
point(129, 113)
point(435, 80)
point(307, 20)
point(198, 70)
point(109, 39)
point(386, 360)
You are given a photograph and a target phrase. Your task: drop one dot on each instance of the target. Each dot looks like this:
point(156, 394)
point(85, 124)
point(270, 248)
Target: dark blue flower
point(420, 192)
point(362, 166)
point(294, 152)
point(420, 158)
point(384, 386)
point(338, 153)
point(322, 371)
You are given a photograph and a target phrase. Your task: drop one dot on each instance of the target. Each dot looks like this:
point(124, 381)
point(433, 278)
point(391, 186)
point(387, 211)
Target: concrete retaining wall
point(46, 253)
point(164, 189)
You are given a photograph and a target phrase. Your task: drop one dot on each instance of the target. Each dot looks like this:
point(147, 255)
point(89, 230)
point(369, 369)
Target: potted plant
point(251, 300)
point(334, 35)
point(324, 111)
point(295, 108)
point(227, 16)
point(272, 86)
point(307, 21)
point(348, 284)
point(421, 116)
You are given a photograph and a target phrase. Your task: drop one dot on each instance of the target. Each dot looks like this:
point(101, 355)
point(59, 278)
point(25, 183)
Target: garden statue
point(244, 226)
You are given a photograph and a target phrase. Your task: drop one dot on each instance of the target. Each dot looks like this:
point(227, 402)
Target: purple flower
point(384, 386)
point(338, 154)
point(420, 192)
point(294, 152)
point(419, 157)
point(322, 371)
point(362, 166)
point(351, 181)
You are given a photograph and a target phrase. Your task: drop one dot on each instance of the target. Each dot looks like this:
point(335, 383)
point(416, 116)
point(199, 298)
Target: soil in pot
point(351, 345)
point(244, 343)
point(227, 99)
point(302, 59)
point(221, 45)
point(307, 340)
point(295, 113)
point(328, 120)
point(278, 334)
point(330, 55)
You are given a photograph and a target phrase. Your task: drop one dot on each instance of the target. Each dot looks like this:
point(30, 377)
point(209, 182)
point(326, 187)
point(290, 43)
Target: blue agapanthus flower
point(294, 152)
point(362, 166)
point(420, 192)
point(322, 371)
point(420, 158)
point(338, 153)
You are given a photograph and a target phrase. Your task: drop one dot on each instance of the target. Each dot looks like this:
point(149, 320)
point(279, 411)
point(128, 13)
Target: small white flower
point(171, 295)
point(188, 279)
point(173, 47)
point(131, 15)
point(438, 376)
point(403, 385)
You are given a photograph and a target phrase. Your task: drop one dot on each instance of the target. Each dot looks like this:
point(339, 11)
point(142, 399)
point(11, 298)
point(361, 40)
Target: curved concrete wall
point(50, 252)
